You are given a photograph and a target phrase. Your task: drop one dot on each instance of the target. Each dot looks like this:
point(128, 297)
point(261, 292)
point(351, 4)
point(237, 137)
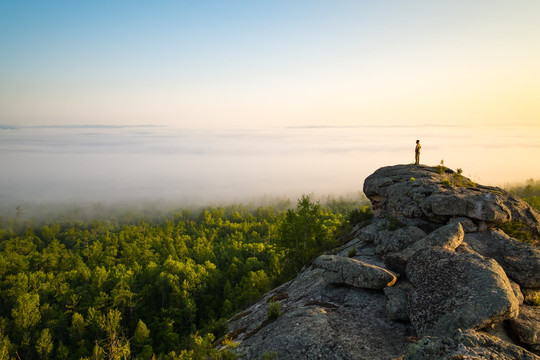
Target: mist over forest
point(165, 167)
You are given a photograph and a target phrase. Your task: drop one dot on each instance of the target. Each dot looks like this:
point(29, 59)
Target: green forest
point(128, 286)
point(114, 283)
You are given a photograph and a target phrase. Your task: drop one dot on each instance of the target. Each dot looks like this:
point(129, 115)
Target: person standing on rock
point(417, 153)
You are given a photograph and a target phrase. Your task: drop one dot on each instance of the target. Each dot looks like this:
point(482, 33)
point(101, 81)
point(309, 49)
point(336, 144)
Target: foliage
point(202, 348)
point(530, 188)
point(532, 297)
point(305, 233)
point(358, 216)
point(393, 223)
point(518, 231)
point(274, 310)
point(530, 192)
point(136, 287)
point(534, 202)
point(461, 181)
point(269, 355)
point(343, 205)
point(352, 252)
point(456, 179)
point(441, 169)
point(44, 344)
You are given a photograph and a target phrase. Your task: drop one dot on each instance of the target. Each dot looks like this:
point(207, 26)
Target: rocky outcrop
point(432, 278)
point(425, 195)
point(320, 321)
point(520, 261)
point(397, 300)
point(527, 326)
point(339, 270)
point(448, 237)
point(454, 291)
point(388, 241)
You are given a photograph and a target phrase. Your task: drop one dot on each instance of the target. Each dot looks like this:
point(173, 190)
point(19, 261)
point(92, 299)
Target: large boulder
point(393, 192)
point(484, 206)
point(448, 237)
point(520, 261)
point(390, 241)
point(526, 326)
point(457, 291)
point(341, 270)
point(426, 195)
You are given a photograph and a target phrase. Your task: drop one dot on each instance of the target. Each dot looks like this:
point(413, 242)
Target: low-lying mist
point(165, 167)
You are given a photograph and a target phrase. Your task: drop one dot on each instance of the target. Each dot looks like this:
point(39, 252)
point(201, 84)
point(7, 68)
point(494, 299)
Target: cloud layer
point(109, 163)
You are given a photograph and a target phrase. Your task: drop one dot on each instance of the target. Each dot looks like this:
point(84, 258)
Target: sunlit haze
point(226, 100)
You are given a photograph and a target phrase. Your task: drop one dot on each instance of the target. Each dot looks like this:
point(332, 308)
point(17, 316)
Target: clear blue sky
point(269, 63)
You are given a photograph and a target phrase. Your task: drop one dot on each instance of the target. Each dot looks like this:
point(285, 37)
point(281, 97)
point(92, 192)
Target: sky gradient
point(273, 63)
point(230, 99)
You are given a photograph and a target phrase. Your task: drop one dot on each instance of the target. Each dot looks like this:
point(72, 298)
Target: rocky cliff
point(431, 277)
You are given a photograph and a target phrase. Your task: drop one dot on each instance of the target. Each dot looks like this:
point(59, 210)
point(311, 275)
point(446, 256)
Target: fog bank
point(142, 163)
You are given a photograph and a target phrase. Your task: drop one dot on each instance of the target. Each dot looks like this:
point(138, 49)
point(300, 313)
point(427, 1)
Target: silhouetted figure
point(417, 153)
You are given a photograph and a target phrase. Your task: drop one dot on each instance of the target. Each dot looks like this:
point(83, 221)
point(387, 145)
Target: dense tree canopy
point(134, 288)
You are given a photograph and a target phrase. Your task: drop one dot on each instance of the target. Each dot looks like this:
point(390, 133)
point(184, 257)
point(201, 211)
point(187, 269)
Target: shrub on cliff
point(305, 233)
